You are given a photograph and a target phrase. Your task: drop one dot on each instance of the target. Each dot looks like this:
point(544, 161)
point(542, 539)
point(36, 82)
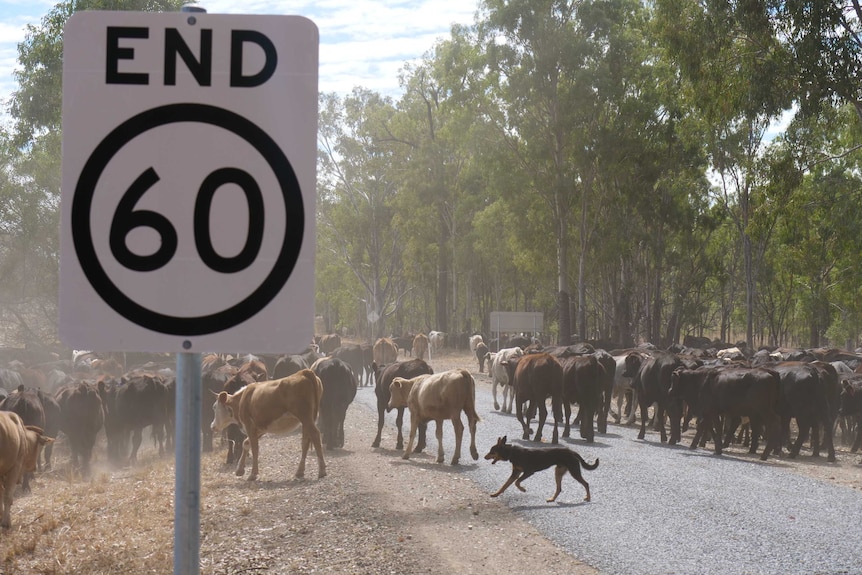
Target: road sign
point(188, 200)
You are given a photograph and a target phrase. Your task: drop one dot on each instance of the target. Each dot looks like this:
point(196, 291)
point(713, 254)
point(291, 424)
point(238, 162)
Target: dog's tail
point(584, 462)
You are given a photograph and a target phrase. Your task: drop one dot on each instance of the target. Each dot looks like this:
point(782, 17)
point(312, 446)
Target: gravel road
point(658, 509)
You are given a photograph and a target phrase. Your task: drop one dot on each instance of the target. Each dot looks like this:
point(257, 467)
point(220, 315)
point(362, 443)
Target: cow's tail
point(584, 463)
point(470, 406)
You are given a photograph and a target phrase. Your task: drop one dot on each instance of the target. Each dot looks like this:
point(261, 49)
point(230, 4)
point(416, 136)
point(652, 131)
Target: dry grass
point(117, 521)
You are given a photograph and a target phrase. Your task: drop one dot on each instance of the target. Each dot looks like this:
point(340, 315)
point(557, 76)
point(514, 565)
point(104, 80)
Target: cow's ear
point(222, 397)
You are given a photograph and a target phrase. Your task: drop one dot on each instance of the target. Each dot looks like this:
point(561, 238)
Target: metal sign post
point(187, 482)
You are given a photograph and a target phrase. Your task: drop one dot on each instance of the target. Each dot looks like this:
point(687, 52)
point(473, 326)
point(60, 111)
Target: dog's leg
point(510, 481)
point(576, 473)
point(523, 478)
point(559, 471)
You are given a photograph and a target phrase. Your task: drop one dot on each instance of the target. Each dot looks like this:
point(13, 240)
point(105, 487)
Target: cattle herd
point(783, 398)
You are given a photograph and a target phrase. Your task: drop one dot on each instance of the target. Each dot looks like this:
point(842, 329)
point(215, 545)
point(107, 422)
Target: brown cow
point(82, 416)
point(19, 452)
point(385, 351)
point(437, 397)
point(536, 377)
point(420, 346)
point(274, 406)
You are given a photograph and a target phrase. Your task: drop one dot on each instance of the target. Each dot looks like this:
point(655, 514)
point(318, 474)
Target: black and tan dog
point(525, 462)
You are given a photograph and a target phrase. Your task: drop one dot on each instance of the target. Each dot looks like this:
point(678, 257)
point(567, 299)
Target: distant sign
point(517, 321)
point(189, 162)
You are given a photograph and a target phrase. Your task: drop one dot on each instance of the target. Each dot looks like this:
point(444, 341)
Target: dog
point(525, 462)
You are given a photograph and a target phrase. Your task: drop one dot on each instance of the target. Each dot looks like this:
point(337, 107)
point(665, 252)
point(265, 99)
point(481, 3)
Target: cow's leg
point(439, 433)
point(318, 447)
point(240, 466)
point(7, 488)
point(494, 394)
point(519, 412)
point(399, 423)
point(421, 438)
point(857, 443)
point(773, 434)
point(804, 426)
point(567, 413)
point(543, 415)
point(717, 429)
point(633, 402)
point(254, 445)
point(413, 426)
point(380, 419)
point(137, 436)
point(459, 435)
point(644, 416)
point(474, 453)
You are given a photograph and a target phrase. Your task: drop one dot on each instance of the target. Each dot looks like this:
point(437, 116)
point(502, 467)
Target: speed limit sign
point(188, 193)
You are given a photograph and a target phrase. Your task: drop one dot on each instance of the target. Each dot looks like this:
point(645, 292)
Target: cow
point(583, 376)
point(536, 377)
point(652, 382)
point(214, 375)
point(384, 374)
point(474, 341)
point(19, 451)
point(404, 343)
point(351, 354)
point(627, 365)
point(82, 416)
point(851, 406)
point(420, 346)
point(733, 392)
point(385, 351)
point(37, 409)
point(339, 389)
point(804, 397)
point(273, 406)
point(436, 341)
point(247, 373)
point(328, 343)
point(141, 400)
point(481, 352)
point(288, 365)
point(500, 376)
point(367, 362)
point(437, 397)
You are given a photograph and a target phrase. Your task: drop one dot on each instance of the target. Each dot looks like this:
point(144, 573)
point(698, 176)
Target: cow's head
point(224, 414)
point(399, 389)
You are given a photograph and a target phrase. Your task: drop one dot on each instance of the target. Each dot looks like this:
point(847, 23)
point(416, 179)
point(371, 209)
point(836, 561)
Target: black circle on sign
point(82, 234)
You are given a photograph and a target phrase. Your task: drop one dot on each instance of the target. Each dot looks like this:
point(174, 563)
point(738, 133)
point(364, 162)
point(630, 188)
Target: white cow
point(436, 340)
point(623, 384)
point(474, 341)
point(499, 376)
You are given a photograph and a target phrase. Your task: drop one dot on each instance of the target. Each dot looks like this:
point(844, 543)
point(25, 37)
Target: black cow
point(339, 389)
point(733, 392)
point(213, 379)
point(384, 374)
point(851, 406)
point(82, 416)
point(141, 400)
point(351, 354)
point(805, 398)
point(652, 382)
point(582, 384)
point(481, 355)
point(536, 377)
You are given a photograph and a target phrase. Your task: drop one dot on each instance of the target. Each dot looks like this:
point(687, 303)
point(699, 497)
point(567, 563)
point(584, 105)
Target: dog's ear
point(501, 440)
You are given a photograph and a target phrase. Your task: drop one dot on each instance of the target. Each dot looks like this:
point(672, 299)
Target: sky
point(362, 42)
